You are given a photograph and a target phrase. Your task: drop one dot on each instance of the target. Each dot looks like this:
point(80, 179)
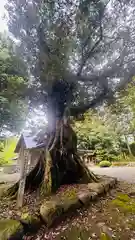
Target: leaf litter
point(101, 217)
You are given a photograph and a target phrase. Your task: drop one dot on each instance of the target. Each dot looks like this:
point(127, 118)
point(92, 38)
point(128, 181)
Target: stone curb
point(11, 229)
point(53, 209)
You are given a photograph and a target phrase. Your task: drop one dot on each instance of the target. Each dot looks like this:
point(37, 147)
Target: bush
point(104, 164)
point(102, 154)
point(119, 164)
point(132, 147)
point(7, 153)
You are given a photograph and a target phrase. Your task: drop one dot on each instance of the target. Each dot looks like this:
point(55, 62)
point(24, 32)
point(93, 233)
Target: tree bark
point(58, 164)
point(128, 146)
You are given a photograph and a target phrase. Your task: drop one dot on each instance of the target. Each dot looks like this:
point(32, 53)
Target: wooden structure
point(28, 150)
point(87, 156)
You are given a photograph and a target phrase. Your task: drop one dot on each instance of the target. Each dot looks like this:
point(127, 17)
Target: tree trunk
point(58, 164)
point(128, 146)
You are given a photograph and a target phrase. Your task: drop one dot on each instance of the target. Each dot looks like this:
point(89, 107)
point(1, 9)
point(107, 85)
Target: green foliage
point(52, 46)
point(123, 147)
point(94, 135)
point(13, 85)
point(104, 164)
point(63, 40)
point(129, 96)
point(132, 147)
point(122, 113)
point(61, 44)
point(7, 152)
point(126, 158)
point(1, 145)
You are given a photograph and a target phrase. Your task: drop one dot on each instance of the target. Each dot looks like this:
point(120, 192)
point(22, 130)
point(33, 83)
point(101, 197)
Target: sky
point(3, 25)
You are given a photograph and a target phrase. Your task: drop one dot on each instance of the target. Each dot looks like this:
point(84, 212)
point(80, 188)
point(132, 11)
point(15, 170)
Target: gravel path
point(121, 173)
point(9, 178)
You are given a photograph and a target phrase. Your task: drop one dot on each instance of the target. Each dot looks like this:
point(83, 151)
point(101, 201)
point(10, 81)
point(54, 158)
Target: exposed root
point(33, 180)
point(58, 126)
point(12, 191)
point(58, 166)
point(87, 176)
point(46, 185)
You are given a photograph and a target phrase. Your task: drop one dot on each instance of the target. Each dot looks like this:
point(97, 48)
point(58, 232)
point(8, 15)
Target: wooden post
point(23, 172)
point(29, 161)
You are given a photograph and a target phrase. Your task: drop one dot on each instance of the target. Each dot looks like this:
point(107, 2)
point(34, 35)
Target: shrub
point(132, 147)
point(102, 154)
point(7, 152)
point(119, 164)
point(104, 164)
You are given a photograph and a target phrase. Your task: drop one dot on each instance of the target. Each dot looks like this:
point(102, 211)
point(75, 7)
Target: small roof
point(28, 142)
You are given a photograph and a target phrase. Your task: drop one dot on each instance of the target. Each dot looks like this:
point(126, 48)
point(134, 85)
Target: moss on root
point(9, 228)
point(49, 211)
point(69, 193)
point(125, 203)
point(27, 217)
point(46, 185)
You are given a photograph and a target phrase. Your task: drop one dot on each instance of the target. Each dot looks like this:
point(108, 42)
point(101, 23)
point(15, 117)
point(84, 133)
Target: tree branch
point(74, 111)
point(110, 70)
point(42, 43)
point(90, 53)
point(107, 94)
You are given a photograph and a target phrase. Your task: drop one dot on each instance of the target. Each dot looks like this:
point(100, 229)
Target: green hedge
point(104, 164)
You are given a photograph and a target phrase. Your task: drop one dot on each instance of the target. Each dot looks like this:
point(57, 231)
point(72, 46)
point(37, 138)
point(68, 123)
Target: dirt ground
point(111, 217)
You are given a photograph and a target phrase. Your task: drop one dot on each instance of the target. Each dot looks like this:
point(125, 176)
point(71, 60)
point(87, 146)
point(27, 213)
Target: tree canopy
point(87, 44)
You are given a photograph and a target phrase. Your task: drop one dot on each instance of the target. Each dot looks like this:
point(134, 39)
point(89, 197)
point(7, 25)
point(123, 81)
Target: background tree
point(120, 114)
point(128, 97)
point(13, 82)
point(94, 134)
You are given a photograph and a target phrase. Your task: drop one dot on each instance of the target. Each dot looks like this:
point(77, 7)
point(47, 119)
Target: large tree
point(75, 51)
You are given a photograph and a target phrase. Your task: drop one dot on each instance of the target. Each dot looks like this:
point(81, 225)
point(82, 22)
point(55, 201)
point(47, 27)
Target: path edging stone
point(53, 209)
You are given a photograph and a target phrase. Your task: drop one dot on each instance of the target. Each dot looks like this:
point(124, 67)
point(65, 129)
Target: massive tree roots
point(58, 164)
